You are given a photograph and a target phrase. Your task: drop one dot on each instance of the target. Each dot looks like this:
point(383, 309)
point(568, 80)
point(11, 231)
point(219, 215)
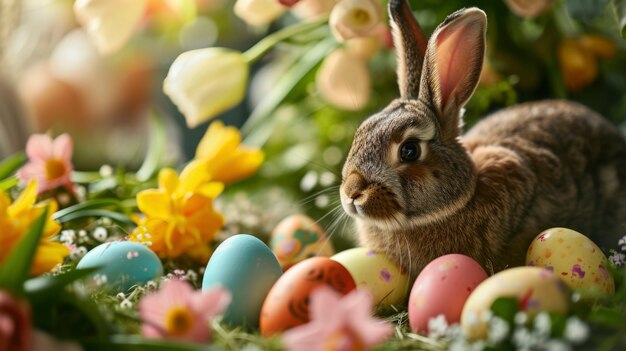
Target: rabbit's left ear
point(454, 60)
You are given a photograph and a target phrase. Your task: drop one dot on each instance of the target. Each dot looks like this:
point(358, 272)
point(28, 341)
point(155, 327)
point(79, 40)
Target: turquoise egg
point(245, 266)
point(122, 265)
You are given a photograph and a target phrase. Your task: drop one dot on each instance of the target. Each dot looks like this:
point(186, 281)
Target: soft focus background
point(300, 108)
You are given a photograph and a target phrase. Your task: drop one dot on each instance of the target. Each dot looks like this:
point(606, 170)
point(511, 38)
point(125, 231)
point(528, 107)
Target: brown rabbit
point(417, 189)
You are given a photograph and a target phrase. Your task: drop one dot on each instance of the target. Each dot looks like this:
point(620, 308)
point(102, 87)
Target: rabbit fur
point(418, 189)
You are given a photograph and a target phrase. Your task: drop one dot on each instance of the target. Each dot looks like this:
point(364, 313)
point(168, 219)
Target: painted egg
point(442, 287)
point(245, 266)
point(536, 289)
point(383, 278)
point(122, 265)
point(297, 238)
point(575, 258)
point(287, 304)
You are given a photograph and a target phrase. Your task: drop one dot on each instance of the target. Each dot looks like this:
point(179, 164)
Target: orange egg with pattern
point(579, 262)
point(297, 238)
point(287, 304)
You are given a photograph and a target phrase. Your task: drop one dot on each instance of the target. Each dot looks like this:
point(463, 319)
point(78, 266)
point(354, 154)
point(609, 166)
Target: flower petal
point(25, 201)
point(206, 82)
point(62, 148)
point(154, 203)
point(211, 189)
point(243, 163)
point(39, 147)
point(194, 175)
point(258, 12)
point(212, 302)
point(168, 180)
point(49, 255)
point(344, 80)
point(108, 25)
point(218, 141)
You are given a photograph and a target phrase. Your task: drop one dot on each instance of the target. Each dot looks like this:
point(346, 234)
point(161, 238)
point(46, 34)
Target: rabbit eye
point(410, 151)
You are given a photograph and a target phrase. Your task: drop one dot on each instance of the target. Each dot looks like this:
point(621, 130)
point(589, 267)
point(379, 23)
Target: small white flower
point(576, 330)
point(437, 326)
point(617, 259)
point(100, 234)
point(556, 345)
point(78, 253)
point(68, 236)
point(498, 330)
point(543, 324)
point(524, 339)
point(622, 243)
point(151, 285)
point(191, 275)
point(520, 318)
point(126, 304)
point(106, 171)
point(120, 296)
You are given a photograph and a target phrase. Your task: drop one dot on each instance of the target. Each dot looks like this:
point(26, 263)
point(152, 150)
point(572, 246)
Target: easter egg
point(383, 278)
point(245, 266)
point(535, 288)
point(122, 265)
point(287, 304)
point(298, 237)
point(575, 258)
point(442, 287)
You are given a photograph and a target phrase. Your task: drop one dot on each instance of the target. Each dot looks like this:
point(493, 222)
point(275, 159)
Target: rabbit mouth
point(371, 206)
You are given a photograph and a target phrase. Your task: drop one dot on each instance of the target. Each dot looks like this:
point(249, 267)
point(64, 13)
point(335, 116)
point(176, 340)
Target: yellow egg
point(536, 289)
point(573, 257)
point(384, 279)
point(297, 238)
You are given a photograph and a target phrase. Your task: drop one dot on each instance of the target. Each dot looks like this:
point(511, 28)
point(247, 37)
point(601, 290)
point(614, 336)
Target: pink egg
point(442, 288)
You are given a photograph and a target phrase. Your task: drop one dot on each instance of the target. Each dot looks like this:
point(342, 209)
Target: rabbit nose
point(354, 185)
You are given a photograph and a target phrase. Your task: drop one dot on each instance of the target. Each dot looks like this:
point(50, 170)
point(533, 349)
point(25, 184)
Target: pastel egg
point(575, 258)
point(442, 287)
point(245, 266)
point(287, 304)
point(535, 288)
point(298, 237)
point(383, 278)
point(123, 264)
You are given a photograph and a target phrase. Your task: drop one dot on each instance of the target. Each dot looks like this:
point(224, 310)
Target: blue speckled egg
point(245, 266)
point(122, 264)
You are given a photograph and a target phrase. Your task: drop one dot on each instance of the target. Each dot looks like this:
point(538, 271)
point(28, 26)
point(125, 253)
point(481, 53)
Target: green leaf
point(11, 164)
point(117, 217)
point(47, 287)
point(158, 139)
point(259, 125)
point(87, 205)
point(85, 177)
point(620, 11)
point(135, 343)
point(8, 183)
point(15, 269)
point(505, 308)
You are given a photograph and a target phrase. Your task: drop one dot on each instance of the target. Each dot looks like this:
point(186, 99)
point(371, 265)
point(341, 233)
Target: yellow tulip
point(225, 158)
point(206, 82)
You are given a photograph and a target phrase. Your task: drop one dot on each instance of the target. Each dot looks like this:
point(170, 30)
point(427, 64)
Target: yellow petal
point(211, 189)
point(193, 176)
point(217, 141)
point(110, 23)
point(48, 256)
point(206, 82)
point(242, 164)
point(168, 180)
point(5, 202)
point(154, 203)
point(25, 201)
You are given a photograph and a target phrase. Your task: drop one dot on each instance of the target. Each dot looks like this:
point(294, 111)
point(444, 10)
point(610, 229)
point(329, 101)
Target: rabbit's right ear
point(454, 60)
point(410, 43)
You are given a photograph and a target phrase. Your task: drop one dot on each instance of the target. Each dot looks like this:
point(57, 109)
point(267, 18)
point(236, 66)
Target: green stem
point(259, 49)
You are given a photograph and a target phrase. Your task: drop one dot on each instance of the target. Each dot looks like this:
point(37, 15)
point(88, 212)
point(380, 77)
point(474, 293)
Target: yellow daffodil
point(206, 82)
point(225, 158)
point(179, 215)
point(17, 217)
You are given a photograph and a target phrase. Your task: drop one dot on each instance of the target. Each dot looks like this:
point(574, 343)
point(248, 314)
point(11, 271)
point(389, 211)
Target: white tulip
point(206, 82)
point(258, 12)
point(110, 23)
point(354, 18)
point(344, 80)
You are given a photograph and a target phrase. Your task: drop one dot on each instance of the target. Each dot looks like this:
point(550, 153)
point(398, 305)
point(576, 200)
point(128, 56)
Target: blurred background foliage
point(537, 49)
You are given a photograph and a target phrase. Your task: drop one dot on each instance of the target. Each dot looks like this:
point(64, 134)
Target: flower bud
point(354, 18)
point(578, 65)
point(110, 23)
point(206, 82)
point(344, 80)
point(258, 12)
point(313, 9)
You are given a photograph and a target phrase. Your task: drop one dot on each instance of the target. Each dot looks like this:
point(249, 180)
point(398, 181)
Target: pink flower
point(176, 311)
point(49, 162)
point(15, 326)
point(338, 323)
